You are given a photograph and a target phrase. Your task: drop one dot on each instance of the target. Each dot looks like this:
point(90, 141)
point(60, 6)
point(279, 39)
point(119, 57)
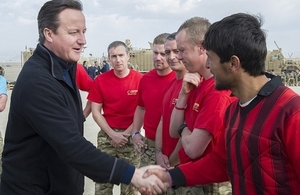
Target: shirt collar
point(64, 65)
point(270, 86)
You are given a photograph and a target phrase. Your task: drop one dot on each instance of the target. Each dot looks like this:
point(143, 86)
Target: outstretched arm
point(151, 184)
point(209, 169)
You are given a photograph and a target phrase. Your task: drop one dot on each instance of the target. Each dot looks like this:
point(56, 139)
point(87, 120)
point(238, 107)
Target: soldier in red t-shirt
point(166, 146)
point(114, 99)
point(198, 114)
point(151, 92)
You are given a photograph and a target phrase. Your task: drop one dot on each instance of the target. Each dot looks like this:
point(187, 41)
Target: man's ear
point(48, 34)
point(235, 63)
point(200, 48)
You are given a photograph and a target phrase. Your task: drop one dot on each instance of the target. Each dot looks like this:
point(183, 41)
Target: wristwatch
point(181, 128)
point(135, 133)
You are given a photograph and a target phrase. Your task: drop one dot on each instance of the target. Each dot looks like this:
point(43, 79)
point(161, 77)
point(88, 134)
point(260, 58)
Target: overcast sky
point(141, 20)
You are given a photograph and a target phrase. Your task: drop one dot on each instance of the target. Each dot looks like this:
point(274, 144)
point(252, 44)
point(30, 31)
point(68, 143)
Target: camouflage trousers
point(223, 188)
point(148, 158)
point(148, 153)
point(127, 153)
point(209, 189)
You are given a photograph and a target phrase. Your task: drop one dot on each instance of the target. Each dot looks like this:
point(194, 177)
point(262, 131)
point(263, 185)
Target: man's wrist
point(158, 150)
point(170, 180)
point(178, 107)
point(135, 133)
point(181, 129)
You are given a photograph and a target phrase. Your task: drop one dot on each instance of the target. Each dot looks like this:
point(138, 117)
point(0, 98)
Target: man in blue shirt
point(3, 101)
point(105, 67)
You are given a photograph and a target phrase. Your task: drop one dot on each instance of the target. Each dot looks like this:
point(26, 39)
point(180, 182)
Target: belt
point(149, 142)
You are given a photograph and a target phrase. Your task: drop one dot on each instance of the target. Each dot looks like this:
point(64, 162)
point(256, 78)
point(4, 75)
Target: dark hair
point(116, 44)
point(171, 37)
point(160, 39)
point(241, 35)
point(48, 16)
point(84, 62)
point(195, 29)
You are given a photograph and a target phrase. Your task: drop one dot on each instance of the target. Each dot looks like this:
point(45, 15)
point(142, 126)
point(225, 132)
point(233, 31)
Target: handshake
point(152, 179)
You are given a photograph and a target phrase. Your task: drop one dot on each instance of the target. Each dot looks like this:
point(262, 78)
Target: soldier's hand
point(162, 160)
point(138, 143)
point(190, 81)
point(118, 139)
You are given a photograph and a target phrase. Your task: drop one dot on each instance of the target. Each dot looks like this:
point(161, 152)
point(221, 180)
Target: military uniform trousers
point(126, 152)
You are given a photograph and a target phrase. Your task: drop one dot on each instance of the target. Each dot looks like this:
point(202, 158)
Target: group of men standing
point(208, 110)
point(124, 101)
point(94, 69)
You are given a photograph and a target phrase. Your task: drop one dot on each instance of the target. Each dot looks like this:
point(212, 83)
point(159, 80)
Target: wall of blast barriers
point(141, 60)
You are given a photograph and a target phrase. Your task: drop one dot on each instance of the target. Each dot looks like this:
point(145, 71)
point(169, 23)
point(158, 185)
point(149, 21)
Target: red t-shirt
point(169, 100)
point(83, 80)
point(118, 96)
point(205, 110)
point(151, 92)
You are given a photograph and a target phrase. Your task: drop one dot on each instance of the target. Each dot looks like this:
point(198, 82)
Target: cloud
point(141, 20)
point(169, 6)
point(96, 3)
point(26, 21)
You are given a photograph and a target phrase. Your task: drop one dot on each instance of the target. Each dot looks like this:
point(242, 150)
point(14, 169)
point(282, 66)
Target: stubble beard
point(222, 86)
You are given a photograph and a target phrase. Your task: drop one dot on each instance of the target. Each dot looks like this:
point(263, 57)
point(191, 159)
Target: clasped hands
point(119, 139)
point(151, 180)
